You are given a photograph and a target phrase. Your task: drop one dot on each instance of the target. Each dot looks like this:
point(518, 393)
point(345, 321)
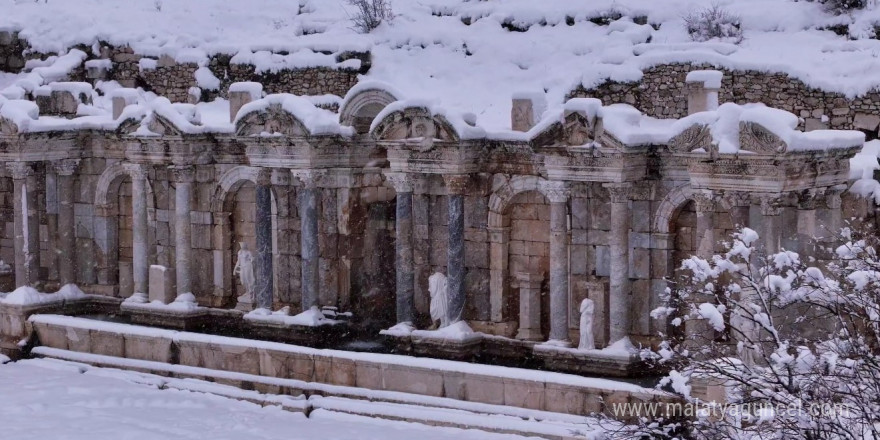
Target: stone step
point(311, 399)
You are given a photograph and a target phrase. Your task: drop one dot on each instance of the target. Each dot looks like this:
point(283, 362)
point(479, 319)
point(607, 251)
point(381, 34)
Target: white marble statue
point(439, 304)
point(586, 325)
point(244, 268)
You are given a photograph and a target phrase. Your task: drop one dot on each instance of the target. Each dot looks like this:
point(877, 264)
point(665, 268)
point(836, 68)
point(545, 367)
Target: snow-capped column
point(405, 286)
point(771, 232)
point(183, 179)
point(620, 295)
point(456, 185)
point(140, 265)
point(308, 215)
point(26, 224)
point(704, 202)
point(64, 170)
point(558, 193)
point(702, 89)
point(264, 286)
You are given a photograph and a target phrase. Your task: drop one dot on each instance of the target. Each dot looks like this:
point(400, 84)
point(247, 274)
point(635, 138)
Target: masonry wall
point(661, 93)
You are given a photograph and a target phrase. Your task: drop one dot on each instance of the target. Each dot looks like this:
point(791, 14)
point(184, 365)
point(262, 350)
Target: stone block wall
point(661, 93)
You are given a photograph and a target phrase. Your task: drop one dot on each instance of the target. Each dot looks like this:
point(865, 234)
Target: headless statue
point(439, 299)
point(586, 325)
point(244, 268)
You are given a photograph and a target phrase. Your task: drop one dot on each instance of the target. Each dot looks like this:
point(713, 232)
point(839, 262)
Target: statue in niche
point(244, 268)
point(586, 326)
point(439, 297)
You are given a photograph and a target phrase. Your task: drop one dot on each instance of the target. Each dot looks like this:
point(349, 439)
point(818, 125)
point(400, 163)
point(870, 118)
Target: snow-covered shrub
point(714, 22)
point(844, 6)
point(794, 343)
point(370, 14)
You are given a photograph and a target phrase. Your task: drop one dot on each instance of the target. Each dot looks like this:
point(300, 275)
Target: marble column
point(807, 230)
point(64, 170)
point(405, 285)
point(771, 231)
point(26, 223)
point(140, 264)
point(529, 285)
point(833, 204)
point(264, 285)
point(699, 330)
point(620, 297)
point(558, 194)
point(456, 184)
point(704, 203)
point(309, 251)
point(183, 180)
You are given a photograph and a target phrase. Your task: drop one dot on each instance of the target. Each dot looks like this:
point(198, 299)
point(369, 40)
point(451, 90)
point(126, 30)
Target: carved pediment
point(162, 126)
point(415, 123)
point(128, 126)
point(575, 130)
point(694, 137)
point(756, 138)
point(273, 120)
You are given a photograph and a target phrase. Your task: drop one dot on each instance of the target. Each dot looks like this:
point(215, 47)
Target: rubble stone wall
point(661, 93)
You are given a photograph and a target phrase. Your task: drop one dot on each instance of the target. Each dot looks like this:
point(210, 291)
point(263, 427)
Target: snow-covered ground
point(41, 399)
point(429, 52)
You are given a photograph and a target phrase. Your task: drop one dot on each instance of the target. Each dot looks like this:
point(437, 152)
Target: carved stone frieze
point(694, 137)
point(273, 120)
point(756, 138)
point(415, 123)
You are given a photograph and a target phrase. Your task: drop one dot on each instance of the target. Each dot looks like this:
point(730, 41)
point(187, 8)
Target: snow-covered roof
point(429, 51)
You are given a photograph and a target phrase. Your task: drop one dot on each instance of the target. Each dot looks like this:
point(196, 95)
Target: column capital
point(704, 201)
point(402, 182)
point(135, 170)
point(771, 204)
point(20, 170)
point(65, 167)
point(498, 234)
point(619, 192)
point(809, 199)
point(556, 191)
point(310, 178)
point(456, 184)
point(736, 199)
point(183, 173)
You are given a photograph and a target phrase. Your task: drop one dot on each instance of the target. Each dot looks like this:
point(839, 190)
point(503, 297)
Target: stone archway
point(234, 213)
point(362, 105)
point(504, 242)
point(113, 228)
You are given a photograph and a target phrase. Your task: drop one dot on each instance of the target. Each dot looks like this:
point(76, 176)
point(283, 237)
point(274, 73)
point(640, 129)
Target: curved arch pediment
point(8, 127)
point(273, 119)
point(414, 123)
point(360, 110)
point(576, 129)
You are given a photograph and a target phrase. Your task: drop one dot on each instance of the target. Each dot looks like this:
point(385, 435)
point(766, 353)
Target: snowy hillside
point(472, 55)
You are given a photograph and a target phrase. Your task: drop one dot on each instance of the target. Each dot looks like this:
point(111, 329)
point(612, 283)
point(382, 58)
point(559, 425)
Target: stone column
point(529, 285)
point(183, 179)
point(620, 297)
point(771, 233)
point(738, 204)
point(264, 285)
point(405, 285)
point(64, 170)
point(499, 244)
point(26, 224)
point(558, 193)
point(704, 202)
point(308, 215)
point(456, 185)
point(834, 203)
point(807, 230)
point(140, 264)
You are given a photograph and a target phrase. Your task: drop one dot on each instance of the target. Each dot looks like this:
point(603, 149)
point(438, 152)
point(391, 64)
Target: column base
point(529, 334)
